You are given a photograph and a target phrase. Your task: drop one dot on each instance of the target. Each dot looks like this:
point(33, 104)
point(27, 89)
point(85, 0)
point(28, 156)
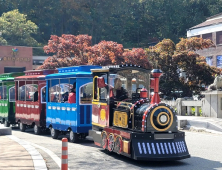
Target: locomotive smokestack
point(156, 75)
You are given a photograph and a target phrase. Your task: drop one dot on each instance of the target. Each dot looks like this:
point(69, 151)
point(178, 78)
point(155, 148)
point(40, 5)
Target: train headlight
point(161, 118)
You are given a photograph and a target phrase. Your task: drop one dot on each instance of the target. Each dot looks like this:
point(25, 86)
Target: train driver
point(119, 92)
point(72, 95)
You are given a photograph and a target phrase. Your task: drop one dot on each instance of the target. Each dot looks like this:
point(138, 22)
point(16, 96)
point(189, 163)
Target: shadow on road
point(190, 163)
point(88, 141)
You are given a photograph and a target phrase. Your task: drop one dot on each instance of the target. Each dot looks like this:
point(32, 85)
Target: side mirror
point(101, 82)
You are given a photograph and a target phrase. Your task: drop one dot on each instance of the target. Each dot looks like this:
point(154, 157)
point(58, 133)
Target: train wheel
point(118, 145)
point(6, 124)
point(37, 130)
point(111, 142)
point(22, 127)
point(73, 137)
point(54, 133)
point(104, 140)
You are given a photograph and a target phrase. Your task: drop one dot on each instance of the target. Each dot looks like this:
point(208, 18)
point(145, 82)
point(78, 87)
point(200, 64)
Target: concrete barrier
point(5, 131)
point(185, 106)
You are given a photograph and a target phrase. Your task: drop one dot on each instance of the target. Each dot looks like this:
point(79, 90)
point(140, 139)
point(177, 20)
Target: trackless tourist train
point(126, 121)
point(112, 104)
point(73, 116)
point(7, 98)
point(30, 105)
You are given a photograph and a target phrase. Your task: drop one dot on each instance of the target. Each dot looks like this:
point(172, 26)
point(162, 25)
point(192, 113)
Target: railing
point(185, 106)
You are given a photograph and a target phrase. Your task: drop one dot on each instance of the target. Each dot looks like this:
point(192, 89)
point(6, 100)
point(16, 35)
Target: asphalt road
point(205, 150)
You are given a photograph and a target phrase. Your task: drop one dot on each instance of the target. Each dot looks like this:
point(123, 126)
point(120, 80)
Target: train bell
point(143, 93)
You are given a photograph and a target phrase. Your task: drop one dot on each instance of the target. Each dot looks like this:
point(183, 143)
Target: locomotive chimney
point(156, 75)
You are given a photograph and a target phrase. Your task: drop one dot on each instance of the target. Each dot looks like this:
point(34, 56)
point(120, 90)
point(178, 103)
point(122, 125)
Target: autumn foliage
point(138, 57)
point(105, 53)
point(70, 50)
point(182, 58)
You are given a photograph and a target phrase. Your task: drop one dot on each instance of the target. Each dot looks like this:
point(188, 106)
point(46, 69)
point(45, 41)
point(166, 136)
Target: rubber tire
point(22, 127)
point(54, 133)
point(6, 124)
point(37, 130)
point(73, 137)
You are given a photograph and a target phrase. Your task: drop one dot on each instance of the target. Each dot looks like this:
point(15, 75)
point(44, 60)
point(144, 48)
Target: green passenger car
point(7, 98)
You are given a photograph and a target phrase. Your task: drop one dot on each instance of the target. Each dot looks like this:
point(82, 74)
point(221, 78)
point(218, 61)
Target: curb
point(196, 129)
point(5, 131)
point(199, 124)
point(38, 161)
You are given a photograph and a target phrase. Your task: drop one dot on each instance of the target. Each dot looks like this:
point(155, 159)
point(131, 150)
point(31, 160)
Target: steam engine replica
point(126, 121)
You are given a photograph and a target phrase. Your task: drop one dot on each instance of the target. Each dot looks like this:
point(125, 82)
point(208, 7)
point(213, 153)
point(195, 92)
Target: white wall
point(204, 30)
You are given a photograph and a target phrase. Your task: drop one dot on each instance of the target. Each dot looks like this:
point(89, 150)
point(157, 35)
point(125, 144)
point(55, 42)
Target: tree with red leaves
point(137, 56)
point(69, 50)
point(106, 53)
point(73, 50)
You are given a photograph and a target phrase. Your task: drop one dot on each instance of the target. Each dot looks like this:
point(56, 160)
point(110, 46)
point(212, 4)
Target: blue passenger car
point(62, 116)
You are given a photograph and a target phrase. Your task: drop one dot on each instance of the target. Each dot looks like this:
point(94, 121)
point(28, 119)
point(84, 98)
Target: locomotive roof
point(9, 76)
point(115, 68)
point(35, 75)
point(75, 71)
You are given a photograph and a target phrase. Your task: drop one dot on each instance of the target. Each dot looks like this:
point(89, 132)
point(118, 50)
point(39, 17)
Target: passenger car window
point(86, 93)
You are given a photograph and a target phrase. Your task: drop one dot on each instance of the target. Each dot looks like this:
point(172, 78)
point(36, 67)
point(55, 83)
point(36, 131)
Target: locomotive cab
point(126, 121)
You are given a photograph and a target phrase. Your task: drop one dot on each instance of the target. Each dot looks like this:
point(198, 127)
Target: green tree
point(17, 30)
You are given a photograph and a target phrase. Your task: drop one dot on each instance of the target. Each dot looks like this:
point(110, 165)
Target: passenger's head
point(117, 83)
point(73, 87)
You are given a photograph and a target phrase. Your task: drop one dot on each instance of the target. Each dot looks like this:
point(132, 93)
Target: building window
point(207, 36)
point(198, 36)
point(209, 60)
point(219, 37)
point(219, 61)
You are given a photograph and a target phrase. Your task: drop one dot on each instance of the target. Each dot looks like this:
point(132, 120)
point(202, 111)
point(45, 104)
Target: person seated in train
point(0, 95)
point(27, 95)
point(72, 95)
point(36, 96)
point(65, 97)
point(52, 95)
point(119, 92)
point(43, 95)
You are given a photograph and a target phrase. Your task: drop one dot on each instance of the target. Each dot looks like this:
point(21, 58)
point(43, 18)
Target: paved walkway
point(16, 154)
point(13, 156)
point(208, 123)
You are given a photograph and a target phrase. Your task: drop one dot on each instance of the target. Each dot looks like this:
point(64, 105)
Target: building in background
point(15, 59)
point(18, 59)
point(38, 61)
point(210, 29)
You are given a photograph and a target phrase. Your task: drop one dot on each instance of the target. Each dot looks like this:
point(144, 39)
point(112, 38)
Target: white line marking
point(38, 161)
point(50, 153)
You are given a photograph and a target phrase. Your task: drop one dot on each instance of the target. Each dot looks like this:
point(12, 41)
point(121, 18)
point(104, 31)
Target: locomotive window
point(96, 97)
point(12, 94)
point(127, 82)
point(86, 93)
point(103, 91)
